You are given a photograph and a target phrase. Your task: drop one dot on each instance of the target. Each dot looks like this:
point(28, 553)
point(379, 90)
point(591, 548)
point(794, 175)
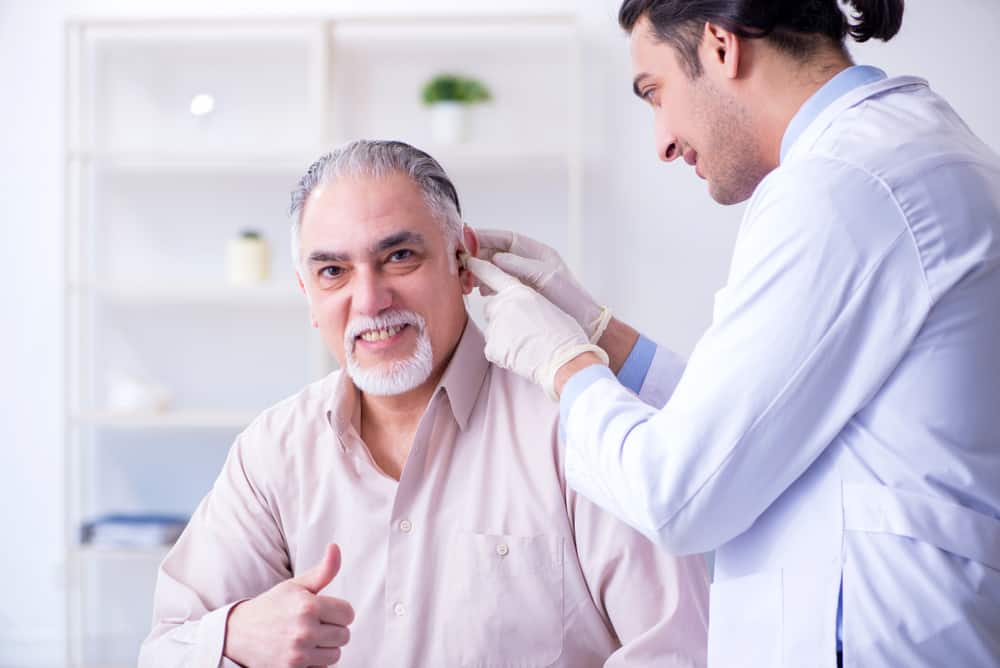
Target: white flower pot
point(449, 122)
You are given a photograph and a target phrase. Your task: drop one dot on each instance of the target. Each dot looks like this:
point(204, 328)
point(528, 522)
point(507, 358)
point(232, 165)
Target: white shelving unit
point(154, 192)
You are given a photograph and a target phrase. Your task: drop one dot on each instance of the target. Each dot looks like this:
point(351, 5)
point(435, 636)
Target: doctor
point(835, 435)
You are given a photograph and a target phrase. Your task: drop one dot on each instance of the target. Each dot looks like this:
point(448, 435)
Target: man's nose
point(372, 294)
point(668, 147)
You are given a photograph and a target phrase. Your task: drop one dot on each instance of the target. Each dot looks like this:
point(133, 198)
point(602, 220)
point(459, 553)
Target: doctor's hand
point(541, 268)
point(291, 625)
point(527, 333)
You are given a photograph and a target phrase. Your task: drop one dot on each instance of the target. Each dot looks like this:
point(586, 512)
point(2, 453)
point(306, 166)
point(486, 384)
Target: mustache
point(361, 324)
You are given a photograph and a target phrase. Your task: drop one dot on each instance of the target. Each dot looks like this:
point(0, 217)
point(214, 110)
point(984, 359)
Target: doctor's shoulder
point(816, 194)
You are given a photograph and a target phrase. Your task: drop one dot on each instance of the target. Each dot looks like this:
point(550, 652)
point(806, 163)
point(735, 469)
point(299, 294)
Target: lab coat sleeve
point(231, 550)
point(656, 604)
point(826, 292)
point(651, 371)
point(665, 371)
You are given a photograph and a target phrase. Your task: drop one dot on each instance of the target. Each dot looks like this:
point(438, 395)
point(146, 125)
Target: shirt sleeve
point(651, 371)
point(656, 604)
point(231, 550)
point(825, 294)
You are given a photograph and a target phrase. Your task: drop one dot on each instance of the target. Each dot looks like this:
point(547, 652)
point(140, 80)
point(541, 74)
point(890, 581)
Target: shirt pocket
point(504, 600)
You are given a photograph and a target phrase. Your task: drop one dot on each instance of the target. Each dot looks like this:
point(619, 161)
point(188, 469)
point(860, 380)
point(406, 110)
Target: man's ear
point(721, 50)
point(471, 243)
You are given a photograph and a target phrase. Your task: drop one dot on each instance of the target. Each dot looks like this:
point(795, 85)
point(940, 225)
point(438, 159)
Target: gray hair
point(379, 159)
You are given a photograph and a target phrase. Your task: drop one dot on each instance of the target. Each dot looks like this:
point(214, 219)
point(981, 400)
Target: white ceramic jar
point(248, 259)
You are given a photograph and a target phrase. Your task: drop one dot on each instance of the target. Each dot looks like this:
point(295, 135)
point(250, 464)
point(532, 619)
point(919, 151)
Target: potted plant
point(449, 97)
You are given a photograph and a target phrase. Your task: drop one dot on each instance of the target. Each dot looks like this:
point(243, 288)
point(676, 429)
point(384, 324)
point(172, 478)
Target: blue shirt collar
point(846, 81)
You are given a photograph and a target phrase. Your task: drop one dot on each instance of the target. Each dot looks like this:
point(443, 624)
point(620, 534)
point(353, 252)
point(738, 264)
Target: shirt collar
point(465, 374)
point(461, 382)
point(843, 83)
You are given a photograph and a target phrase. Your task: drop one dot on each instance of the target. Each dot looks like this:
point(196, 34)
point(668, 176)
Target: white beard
point(396, 377)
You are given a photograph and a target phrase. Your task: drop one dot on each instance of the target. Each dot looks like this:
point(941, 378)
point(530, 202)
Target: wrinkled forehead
point(359, 212)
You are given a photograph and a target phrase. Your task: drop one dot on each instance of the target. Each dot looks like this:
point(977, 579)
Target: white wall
point(31, 601)
point(657, 246)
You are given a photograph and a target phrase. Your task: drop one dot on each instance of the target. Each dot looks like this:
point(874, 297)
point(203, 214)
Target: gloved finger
point(484, 290)
point(532, 272)
point(491, 241)
point(535, 250)
point(490, 275)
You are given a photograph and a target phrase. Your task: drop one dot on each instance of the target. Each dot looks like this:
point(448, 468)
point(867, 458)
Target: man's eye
point(331, 272)
point(401, 255)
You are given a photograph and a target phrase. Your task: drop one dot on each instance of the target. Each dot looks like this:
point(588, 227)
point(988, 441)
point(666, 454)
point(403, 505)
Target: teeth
point(380, 334)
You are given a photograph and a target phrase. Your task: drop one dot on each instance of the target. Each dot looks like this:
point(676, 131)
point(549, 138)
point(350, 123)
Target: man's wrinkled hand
point(525, 332)
point(291, 625)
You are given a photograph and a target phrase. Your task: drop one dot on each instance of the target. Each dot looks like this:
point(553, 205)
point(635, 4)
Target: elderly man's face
point(383, 286)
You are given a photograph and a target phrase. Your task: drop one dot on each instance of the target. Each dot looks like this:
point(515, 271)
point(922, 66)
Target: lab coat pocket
point(744, 622)
point(505, 600)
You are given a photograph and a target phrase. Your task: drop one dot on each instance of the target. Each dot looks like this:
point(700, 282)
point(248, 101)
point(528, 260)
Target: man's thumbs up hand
point(322, 574)
point(291, 625)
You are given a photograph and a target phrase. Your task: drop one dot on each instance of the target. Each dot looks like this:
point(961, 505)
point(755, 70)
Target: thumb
point(322, 574)
point(490, 275)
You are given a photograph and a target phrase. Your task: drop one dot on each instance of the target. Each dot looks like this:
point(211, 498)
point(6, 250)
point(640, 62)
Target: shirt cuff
point(633, 372)
point(575, 386)
point(212, 638)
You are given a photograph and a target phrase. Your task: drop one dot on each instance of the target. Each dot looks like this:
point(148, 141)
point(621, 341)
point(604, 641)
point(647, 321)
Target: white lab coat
point(839, 422)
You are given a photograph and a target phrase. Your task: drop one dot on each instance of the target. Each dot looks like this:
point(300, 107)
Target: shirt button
point(503, 550)
point(399, 609)
point(406, 526)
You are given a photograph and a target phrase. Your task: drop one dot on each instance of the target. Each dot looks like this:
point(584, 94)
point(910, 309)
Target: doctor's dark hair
point(797, 27)
point(378, 159)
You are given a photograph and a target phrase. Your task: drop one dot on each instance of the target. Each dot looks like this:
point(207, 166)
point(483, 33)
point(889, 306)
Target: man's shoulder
point(521, 400)
point(301, 412)
point(523, 389)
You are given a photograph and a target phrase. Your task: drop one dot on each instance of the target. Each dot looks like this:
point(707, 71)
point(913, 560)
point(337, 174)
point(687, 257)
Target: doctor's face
point(696, 119)
point(382, 281)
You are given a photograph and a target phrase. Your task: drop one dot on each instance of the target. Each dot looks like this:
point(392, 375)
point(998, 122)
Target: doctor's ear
point(471, 246)
point(721, 50)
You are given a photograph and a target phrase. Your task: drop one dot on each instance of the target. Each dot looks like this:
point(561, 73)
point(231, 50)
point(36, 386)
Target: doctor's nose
point(371, 294)
point(668, 148)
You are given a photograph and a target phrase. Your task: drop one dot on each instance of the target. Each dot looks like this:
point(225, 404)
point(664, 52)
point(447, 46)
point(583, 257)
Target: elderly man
point(438, 475)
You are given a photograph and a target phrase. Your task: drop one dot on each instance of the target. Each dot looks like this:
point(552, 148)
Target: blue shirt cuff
point(575, 386)
point(636, 366)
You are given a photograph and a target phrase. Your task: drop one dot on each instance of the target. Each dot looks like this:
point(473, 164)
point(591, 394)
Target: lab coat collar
point(843, 83)
point(853, 97)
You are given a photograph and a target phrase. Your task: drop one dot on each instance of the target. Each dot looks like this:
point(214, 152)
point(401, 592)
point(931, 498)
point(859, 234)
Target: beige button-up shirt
point(480, 555)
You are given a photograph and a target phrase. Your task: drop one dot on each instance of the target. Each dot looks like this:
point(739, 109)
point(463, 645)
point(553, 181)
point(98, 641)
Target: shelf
point(195, 161)
point(269, 294)
point(485, 156)
point(181, 419)
point(100, 552)
point(456, 156)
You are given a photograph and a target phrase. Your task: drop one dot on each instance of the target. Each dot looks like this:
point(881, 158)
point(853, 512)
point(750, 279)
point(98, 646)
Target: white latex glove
point(525, 332)
point(540, 267)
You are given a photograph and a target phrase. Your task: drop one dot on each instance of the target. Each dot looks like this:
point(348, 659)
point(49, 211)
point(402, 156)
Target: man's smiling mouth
point(374, 335)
